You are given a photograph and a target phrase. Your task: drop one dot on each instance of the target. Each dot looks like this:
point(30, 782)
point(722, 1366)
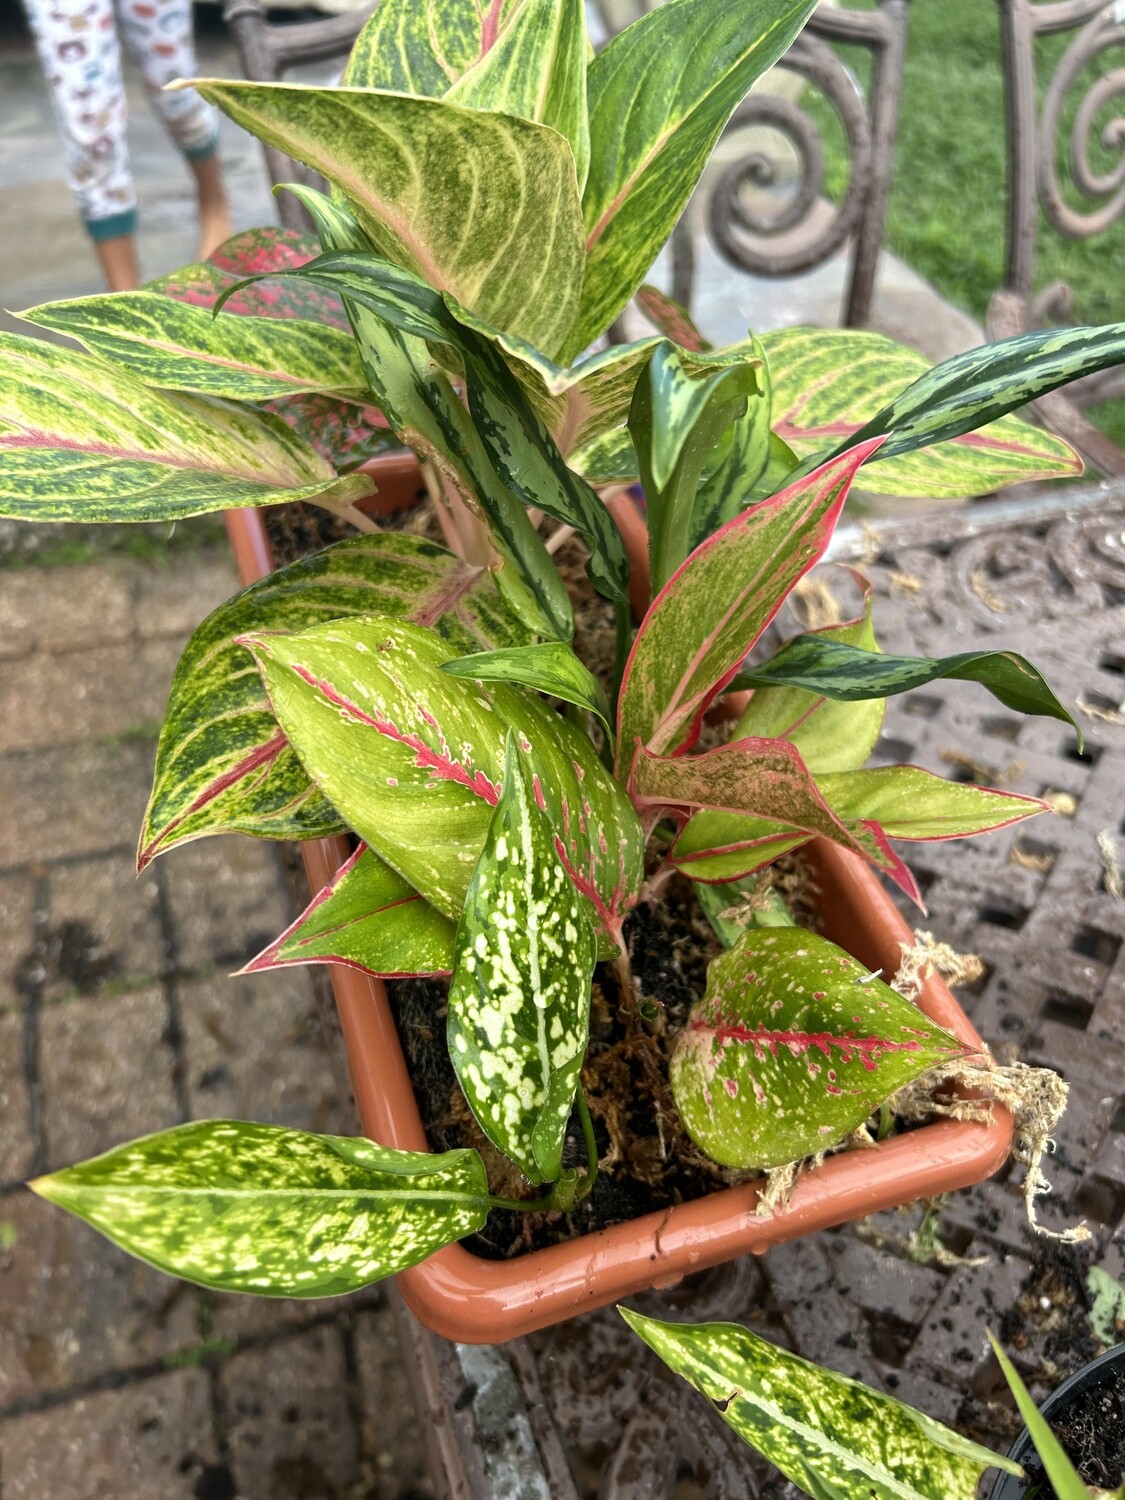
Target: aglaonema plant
point(497, 198)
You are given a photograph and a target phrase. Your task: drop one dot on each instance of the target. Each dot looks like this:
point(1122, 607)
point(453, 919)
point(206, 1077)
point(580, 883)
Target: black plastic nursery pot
point(1081, 1387)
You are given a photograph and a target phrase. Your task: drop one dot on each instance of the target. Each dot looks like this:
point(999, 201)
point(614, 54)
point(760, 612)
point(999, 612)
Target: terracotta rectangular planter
point(465, 1297)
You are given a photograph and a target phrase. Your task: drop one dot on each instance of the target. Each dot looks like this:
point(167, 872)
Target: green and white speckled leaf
point(833, 1437)
point(175, 346)
point(676, 422)
point(970, 389)
point(829, 383)
point(281, 1213)
point(549, 667)
point(701, 626)
point(768, 780)
point(423, 46)
point(901, 802)
point(793, 1045)
point(509, 246)
point(659, 96)
point(414, 759)
point(519, 999)
point(848, 673)
point(222, 763)
point(367, 917)
point(83, 440)
point(537, 69)
point(427, 414)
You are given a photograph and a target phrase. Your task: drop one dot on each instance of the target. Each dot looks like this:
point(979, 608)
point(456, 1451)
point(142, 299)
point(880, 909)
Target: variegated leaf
point(849, 673)
point(971, 389)
point(670, 319)
point(511, 249)
point(253, 253)
point(676, 422)
point(903, 802)
point(831, 734)
point(701, 626)
point(423, 46)
point(549, 667)
point(537, 69)
point(86, 441)
point(345, 433)
point(222, 763)
point(833, 1437)
point(517, 444)
point(281, 1213)
point(175, 346)
point(367, 917)
point(414, 758)
point(659, 96)
point(425, 412)
point(829, 383)
point(792, 1047)
point(769, 780)
point(519, 999)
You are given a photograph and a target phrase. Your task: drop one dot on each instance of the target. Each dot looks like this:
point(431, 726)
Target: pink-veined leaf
point(670, 319)
point(367, 917)
point(716, 605)
point(222, 763)
point(414, 759)
point(769, 780)
point(905, 802)
point(792, 1047)
point(828, 383)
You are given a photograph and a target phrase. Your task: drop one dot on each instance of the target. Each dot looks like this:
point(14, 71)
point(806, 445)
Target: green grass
point(946, 216)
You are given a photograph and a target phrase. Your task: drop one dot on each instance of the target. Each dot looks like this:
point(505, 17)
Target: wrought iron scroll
point(802, 228)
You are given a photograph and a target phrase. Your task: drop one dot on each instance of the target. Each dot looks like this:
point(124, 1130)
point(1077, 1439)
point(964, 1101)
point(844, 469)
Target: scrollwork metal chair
point(1034, 184)
point(268, 50)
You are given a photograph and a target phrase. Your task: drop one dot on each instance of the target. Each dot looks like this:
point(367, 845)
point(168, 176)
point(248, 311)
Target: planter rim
point(465, 1297)
point(1011, 1486)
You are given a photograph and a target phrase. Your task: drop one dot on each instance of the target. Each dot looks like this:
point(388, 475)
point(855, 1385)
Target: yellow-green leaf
point(281, 1213)
point(175, 346)
point(792, 1047)
point(519, 999)
point(423, 46)
point(82, 440)
point(481, 205)
point(835, 1438)
point(367, 917)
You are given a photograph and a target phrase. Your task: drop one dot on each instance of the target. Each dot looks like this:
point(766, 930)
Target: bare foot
point(214, 210)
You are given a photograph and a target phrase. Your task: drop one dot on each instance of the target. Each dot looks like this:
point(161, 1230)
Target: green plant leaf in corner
point(519, 999)
point(850, 674)
point(83, 440)
point(550, 668)
point(1107, 1305)
point(536, 69)
point(277, 1212)
point(834, 1437)
point(367, 917)
point(1065, 1480)
point(659, 95)
point(423, 46)
point(793, 1045)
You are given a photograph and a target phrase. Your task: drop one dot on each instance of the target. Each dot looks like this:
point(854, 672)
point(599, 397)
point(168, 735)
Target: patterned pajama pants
point(80, 52)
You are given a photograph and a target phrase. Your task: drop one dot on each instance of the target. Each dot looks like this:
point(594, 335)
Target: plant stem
point(591, 1140)
point(353, 515)
point(624, 620)
point(521, 1205)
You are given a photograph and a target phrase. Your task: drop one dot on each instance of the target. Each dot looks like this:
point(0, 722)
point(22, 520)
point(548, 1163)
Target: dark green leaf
point(549, 667)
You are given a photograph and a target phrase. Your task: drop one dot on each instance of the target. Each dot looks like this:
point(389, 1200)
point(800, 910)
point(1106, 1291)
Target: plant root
point(1111, 868)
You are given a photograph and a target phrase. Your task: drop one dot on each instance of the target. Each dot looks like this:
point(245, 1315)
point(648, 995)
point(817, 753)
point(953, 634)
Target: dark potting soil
point(1091, 1429)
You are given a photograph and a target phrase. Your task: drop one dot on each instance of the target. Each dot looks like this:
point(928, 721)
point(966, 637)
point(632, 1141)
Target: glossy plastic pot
point(1011, 1486)
point(465, 1297)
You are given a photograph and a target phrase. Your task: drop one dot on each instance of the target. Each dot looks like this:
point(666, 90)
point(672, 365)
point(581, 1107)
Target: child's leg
point(157, 37)
point(81, 61)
